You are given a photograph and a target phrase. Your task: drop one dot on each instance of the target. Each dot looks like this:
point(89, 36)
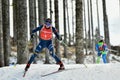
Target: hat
point(48, 20)
point(101, 39)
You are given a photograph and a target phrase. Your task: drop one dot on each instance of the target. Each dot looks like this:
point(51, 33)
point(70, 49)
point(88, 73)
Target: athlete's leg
point(104, 58)
point(34, 55)
point(98, 58)
point(58, 61)
point(51, 50)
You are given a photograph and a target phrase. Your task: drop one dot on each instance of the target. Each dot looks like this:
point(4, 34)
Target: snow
point(74, 72)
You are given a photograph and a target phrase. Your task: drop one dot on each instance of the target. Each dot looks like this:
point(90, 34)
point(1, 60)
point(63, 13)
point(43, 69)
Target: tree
point(41, 11)
point(45, 9)
point(79, 32)
point(50, 1)
point(106, 27)
point(98, 17)
point(92, 31)
point(22, 38)
point(32, 17)
point(73, 24)
point(69, 42)
point(14, 23)
point(6, 31)
point(85, 27)
point(65, 30)
point(89, 29)
point(57, 26)
point(1, 38)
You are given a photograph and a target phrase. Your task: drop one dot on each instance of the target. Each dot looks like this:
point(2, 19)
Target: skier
point(45, 35)
point(102, 49)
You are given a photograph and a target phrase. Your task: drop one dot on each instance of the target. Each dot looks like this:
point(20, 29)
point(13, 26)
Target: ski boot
point(27, 67)
point(61, 66)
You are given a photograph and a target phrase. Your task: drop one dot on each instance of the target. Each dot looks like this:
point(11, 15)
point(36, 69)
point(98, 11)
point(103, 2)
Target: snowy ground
point(74, 72)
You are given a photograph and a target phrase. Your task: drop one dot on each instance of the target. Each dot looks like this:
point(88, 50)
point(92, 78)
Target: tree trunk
point(92, 30)
point(68, 22)
point(65, 30)
point(6, 30)
point(98, 18)
point(22, 38)
point(89, 29)
point(41, 11)
point(14, 23)
point(85, 28)
point(73, 24)
point(79, 32)
point(51, 12)
point(45, 9)
point(106, 27)
point(57, 26)
point(1, 38)
point(32, 17)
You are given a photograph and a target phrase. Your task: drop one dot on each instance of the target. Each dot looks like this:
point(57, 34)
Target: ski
point(24, 73)
point(55, 72)
point(52, 73)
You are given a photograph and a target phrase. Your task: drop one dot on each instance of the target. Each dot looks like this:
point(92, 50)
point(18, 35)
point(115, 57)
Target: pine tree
point(65, 30)
point(50, 2)
point(98, 17)
point(57, 26)
point(32, 17)
point(92, 31)
point(22, 37)
point(67, 12)
point(73, 22)
point(6, 31)
point(89, 25)
point(79, 32)
point(1, 38)
point(41, 11)
point(85, 27)
point(14, 23)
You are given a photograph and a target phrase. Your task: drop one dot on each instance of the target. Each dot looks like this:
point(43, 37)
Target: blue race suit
point(102, 49)
point(45, 44)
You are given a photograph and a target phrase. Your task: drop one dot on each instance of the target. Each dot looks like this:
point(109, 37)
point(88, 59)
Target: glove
point(60, 38)
point(32, 36)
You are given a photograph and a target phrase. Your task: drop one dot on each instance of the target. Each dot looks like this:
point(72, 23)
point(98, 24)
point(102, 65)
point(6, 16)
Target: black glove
point(60, 38)
point(32, 36)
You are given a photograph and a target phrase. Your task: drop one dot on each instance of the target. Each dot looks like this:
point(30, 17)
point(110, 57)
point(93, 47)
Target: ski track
point(74, 72)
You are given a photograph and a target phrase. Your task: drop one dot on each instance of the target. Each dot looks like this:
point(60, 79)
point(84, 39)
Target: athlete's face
point(48, 25)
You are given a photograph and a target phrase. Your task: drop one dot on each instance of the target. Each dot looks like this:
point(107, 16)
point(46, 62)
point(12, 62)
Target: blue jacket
point(104, 50)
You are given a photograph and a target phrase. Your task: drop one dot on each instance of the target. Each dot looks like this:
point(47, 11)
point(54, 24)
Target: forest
point(74, 20)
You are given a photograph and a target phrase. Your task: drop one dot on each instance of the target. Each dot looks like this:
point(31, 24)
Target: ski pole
point(63, 43)
point(85, 65)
